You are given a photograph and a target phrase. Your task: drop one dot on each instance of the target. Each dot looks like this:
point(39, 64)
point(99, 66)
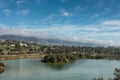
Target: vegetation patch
point(59, 58)
point(2, 67)
point(116, 74)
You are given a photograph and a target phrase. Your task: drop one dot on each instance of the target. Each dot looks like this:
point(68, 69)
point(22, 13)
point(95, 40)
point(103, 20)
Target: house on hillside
point(12, 45)
point(23, 44)
point(1, 40)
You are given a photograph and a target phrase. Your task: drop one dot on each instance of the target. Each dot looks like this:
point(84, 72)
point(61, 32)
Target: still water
point(33, 69)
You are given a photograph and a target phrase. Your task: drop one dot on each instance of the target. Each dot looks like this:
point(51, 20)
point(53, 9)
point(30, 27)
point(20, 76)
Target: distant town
point(16, 47)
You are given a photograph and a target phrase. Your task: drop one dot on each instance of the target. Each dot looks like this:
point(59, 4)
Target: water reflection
point(21, 67)
point(62, 66)
point(33, 69)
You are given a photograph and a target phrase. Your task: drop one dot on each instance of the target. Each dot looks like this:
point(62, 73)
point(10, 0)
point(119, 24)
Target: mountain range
point(44, 41)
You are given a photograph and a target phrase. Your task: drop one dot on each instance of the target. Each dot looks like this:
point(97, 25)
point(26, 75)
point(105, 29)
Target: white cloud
point(7, 11)
point(112, 22)
point(22, 12)
point(63, 1)
point(65, 13)
point(95, 15)
point(23, 31)
point(49, 17)
point(19, 12)
point(20, 2)
point(95, 41)
point(104, 33)
point(107, 10)
point(117, 16)
point(39, 2)
point(77, 8)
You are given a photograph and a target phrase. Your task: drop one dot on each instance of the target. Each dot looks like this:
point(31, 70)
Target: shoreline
point(20, 56)
point(79, 56)
point(65, 58)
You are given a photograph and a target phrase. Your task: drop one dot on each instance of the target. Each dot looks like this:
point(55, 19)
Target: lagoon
point(34, 69)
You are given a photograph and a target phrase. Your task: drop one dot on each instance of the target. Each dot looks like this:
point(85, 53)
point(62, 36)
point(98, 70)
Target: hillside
point(47, 41)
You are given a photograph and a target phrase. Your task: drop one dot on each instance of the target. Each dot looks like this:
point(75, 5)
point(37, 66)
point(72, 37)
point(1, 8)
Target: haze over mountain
point(49, 41)
point(94, 22)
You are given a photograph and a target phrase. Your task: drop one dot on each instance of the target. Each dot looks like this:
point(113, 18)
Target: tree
point(1, 50)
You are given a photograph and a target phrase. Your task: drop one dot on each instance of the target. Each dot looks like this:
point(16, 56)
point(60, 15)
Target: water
point(33, 69)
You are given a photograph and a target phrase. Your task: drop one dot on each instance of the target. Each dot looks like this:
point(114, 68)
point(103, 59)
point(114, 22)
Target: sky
point(96, 21)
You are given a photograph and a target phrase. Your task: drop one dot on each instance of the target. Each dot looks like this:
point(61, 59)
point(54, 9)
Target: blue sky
point(95, 21)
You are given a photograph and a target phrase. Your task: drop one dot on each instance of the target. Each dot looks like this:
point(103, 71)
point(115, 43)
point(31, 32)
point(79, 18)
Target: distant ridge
point(47, 41)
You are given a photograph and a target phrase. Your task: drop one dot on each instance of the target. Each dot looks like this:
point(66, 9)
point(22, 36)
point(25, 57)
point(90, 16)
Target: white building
point(22, 44)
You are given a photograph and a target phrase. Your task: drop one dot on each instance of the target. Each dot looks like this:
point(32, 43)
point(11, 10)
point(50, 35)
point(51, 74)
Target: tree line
point(14, 47)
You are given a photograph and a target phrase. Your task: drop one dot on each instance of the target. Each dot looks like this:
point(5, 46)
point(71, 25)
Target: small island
point(60, 58)
point(66, 58)
point(2, 67)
